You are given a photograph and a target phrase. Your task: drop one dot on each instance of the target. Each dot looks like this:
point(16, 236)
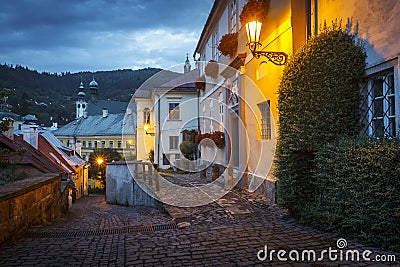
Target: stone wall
point(29, 202)
point(122, 189)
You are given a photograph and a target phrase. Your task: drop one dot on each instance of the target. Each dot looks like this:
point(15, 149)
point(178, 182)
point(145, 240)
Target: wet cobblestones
point(227, 232)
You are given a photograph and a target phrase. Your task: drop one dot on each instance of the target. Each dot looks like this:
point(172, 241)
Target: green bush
point(318, 101)
point(188, 149)
point(358, 184)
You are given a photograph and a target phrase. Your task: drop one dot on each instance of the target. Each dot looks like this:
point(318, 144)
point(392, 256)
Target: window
point(103, 144)
point(173, 110)
point(381, 112)
point(146, 116)
point(232, 16)
point(83, 144)
point(84, 157)
point(95, 144)
point(165, 159)
point(265, 120)
point(111, 144)
point(119, 144)
point(173, 142)
point(90, 144)
point(127, 144)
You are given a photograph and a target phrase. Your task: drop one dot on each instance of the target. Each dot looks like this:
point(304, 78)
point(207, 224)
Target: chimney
point(105, 113)
point(10, 132)
point(30, 134)
point(55, 125)
point(85, 114)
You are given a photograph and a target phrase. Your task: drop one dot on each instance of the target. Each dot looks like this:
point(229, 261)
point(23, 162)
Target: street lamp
point(146, 128)
point(99, 161)
point(253, 30)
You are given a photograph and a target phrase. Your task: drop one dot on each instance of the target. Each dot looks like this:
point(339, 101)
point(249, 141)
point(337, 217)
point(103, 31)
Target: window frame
point(266, 124)
point(175, 110)
point(173, 142)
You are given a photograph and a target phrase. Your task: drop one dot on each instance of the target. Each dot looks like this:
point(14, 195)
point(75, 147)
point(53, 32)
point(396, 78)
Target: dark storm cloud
point(90, 29)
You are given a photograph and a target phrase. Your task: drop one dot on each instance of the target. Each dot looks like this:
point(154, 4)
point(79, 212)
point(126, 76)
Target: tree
point(98, 162)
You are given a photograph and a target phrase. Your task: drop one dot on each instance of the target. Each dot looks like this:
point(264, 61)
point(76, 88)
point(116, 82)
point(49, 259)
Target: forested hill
point(51, 96)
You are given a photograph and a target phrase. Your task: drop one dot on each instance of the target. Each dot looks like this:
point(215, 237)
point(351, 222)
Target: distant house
point(6, 114)
point(164, 111)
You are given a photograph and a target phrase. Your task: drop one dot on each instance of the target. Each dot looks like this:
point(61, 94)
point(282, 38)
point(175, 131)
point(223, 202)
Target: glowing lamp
point(253, 30)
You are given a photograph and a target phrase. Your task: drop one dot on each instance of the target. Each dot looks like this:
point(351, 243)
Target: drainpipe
point(308, 19)
point(243, 145)
point(158, 131)
point(316, 17)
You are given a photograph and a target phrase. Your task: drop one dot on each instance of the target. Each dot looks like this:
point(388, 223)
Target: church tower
point(81, 104)
point(187, 66)
point(93, 87)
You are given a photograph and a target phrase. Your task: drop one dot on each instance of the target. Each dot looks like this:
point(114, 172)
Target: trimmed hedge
point(358, 185)
point(318, 102)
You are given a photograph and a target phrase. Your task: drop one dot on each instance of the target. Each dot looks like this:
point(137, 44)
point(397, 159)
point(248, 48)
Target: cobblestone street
point(228, 232)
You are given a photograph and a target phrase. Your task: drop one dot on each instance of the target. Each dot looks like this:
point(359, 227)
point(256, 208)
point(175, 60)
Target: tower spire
point(187, 66)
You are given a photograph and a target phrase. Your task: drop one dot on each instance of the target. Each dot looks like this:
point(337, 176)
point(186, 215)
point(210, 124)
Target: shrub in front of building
point(318, 102)
point(357, 191)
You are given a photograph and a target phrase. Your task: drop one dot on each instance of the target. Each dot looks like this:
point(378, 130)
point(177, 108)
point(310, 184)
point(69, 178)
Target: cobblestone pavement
point(228, 232)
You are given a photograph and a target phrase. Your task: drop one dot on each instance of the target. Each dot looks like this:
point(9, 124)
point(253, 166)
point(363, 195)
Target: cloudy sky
point(91, 35)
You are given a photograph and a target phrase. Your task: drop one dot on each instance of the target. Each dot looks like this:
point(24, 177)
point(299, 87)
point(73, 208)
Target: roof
point(67, 153)
point(96, 107)
point(29, 117)
point(113, 124)
point(11, 115)
point(31, 156)
point(154, 81)
point(185, 83)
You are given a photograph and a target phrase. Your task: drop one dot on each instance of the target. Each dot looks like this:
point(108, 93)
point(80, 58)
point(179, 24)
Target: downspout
point(316, 17)
point(158, 131)
point(308, 19)
point(243, 145)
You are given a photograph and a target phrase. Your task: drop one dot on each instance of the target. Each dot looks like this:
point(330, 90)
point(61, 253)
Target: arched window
point(146, 116)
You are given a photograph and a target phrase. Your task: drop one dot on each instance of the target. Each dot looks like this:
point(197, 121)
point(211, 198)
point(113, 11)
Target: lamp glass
point(253, 30)
point(100, 161)
point(146, 127)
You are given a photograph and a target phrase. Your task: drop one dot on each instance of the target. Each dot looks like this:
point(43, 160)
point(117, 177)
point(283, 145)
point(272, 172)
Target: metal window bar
point(265, 120)
point(379, 118)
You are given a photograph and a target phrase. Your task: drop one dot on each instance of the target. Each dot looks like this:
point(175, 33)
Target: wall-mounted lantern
point(146, 128)
point(253, 30)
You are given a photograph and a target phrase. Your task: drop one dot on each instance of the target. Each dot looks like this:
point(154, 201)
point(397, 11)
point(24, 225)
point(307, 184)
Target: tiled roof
point(112, 125)
point(31, 156)
point(66, 153)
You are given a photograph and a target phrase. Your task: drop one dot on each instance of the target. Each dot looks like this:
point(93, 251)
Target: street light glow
point(100, 161)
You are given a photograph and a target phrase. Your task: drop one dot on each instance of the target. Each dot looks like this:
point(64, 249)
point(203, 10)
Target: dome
point(82, 94)
point(93, 83)
point(81, 87)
